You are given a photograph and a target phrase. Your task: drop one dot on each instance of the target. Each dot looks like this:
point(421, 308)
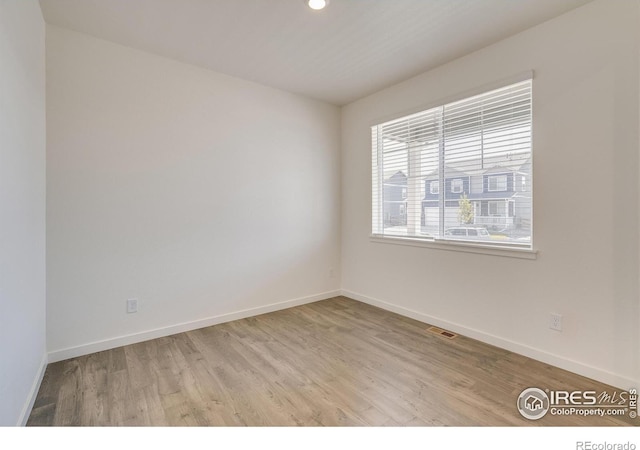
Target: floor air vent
point(441, 332)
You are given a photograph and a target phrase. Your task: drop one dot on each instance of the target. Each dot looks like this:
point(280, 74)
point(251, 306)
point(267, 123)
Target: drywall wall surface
point(199, 194)
point(22, 207)
point(585, 182)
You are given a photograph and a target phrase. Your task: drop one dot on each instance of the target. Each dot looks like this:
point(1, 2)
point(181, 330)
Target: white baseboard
point(33, 393)
point(119, 341)
point(586, 370)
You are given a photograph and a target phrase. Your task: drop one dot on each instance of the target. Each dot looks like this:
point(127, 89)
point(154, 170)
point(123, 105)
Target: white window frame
point(457, 183)
point(500, 181)
point(511, 248)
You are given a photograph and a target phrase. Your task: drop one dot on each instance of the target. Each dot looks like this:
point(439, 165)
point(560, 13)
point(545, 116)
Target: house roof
point(452, 172)
point(449, 171)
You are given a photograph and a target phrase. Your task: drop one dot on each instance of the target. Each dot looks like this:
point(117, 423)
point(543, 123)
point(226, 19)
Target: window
point(498, 183)
point(479, 146)
point(404, 193)
point(456, 186)
point(494, 208)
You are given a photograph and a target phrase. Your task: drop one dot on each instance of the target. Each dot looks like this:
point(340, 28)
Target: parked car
point(469, 233)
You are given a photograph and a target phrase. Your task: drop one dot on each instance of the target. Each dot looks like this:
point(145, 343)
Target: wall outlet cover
point(132, 305)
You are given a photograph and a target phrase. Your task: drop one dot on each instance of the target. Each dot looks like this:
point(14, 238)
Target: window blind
point(460, 171)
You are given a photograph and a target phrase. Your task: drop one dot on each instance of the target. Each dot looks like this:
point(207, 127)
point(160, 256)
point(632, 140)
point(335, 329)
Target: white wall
point(202, 195)
point(22, 207)
point(586, 202)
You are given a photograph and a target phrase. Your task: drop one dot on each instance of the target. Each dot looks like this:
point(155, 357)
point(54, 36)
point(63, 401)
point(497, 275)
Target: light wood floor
point(334, 362)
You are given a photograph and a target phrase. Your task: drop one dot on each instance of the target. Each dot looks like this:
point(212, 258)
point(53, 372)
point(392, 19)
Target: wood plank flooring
point(336, 362)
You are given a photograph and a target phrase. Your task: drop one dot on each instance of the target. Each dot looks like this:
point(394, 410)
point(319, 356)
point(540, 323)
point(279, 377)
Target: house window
point(498, 183)
point(403, 210)
point(443, 146)
point(456, 186)
point(404, 193)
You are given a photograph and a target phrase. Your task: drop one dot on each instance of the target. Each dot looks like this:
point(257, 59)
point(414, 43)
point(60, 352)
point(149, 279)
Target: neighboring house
point(501, 198)
point(456, 183)
point(505, 201)
point(395, 200)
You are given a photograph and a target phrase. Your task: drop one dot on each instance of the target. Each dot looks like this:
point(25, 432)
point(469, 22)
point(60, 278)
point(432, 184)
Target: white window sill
point(467, 247)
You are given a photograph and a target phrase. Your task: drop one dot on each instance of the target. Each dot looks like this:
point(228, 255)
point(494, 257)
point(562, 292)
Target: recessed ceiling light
point(317, 4)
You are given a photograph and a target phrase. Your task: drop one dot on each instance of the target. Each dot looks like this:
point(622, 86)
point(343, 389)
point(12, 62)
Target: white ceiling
point(349, 50)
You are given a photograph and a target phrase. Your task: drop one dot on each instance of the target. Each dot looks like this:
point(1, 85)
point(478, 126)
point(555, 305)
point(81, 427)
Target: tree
point(465, 213)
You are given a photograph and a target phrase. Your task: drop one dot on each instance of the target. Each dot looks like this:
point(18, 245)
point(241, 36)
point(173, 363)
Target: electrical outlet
point(132, 305)
point(555, 322)
point(331, 273)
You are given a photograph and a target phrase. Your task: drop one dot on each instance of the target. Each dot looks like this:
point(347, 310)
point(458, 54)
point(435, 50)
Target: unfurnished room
point(344, 213)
